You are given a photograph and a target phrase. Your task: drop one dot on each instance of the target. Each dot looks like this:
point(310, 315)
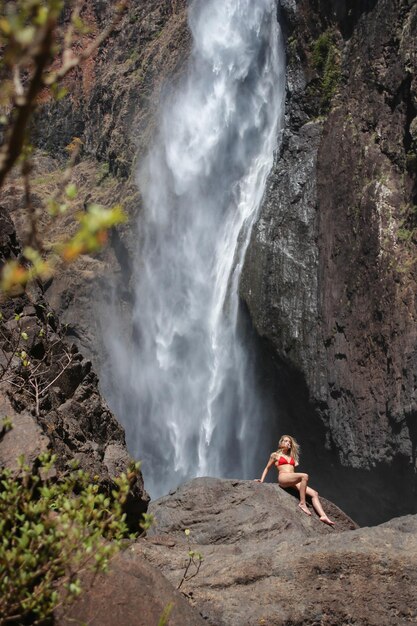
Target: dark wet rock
point(368, 312)
point(266, 562)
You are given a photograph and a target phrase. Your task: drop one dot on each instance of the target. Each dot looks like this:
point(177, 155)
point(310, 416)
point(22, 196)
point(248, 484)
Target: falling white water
point(184, 384)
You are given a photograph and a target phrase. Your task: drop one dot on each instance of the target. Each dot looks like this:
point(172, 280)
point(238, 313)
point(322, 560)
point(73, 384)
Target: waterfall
point(184, 384)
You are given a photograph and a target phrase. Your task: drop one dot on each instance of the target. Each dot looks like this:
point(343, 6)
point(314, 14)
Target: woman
point(286, 460)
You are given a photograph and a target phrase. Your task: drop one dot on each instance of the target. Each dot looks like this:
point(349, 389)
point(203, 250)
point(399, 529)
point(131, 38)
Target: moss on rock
point(326, 62)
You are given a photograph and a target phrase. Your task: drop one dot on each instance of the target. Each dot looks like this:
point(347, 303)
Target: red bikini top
point(283, 461)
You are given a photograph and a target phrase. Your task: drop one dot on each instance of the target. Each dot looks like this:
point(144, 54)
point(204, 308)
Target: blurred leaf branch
point(38, 49)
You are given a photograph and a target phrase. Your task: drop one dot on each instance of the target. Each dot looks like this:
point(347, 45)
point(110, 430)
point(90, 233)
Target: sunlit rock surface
point(266, 562)
point(132, 593)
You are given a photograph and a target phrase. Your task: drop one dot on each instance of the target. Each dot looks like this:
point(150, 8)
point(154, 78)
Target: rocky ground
point(265, 563)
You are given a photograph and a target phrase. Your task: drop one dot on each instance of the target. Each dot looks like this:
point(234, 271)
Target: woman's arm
point(267, 468)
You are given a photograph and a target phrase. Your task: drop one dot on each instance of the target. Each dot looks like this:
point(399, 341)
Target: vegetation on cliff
point(326, 61)
point(38, 53)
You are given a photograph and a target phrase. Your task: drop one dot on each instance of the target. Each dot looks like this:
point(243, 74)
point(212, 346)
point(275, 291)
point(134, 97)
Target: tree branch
point(25, 105)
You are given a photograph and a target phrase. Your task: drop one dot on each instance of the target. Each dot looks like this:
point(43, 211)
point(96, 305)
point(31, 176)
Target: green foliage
point(91, 235)
point(103, 173)
point(148, 520)
point(406, 234)
point(407, 231)
point(403, 234)
point(325, 56)
point(21, 19)
point(133, 18)
point(50, 536)
point(292, 46)
point(134, 56)
point(321, 48)
point(6, 424)
point(92, 232)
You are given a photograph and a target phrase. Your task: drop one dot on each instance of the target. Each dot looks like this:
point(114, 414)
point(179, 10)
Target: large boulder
point(266, 563)
point(23, 437)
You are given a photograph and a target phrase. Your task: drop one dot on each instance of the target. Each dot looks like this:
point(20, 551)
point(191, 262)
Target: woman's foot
point(326, 520)
point(304, 508)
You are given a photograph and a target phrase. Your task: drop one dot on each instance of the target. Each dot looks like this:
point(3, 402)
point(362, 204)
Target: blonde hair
point(295, 448)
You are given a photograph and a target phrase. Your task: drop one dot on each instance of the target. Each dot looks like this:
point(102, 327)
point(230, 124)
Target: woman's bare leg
point(296, 480)
point(302, 487)
point(315, 500)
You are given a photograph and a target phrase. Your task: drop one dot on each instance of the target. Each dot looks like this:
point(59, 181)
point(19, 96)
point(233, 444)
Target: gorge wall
point(329, 279)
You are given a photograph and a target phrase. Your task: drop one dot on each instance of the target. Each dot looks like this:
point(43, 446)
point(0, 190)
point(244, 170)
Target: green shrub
point(406, 234)
point(52, 530)
point(326, 62)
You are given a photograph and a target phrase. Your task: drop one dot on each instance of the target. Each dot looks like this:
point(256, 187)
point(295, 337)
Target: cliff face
point(50, 393)
point(330, 280)
point(368, 287)
point(114, 94)
point(111, 106)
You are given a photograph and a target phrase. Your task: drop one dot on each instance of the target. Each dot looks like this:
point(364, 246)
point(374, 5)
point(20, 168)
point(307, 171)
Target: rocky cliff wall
point(330, 274)
point(49, 392)
point(114, 94)
point(111, 107)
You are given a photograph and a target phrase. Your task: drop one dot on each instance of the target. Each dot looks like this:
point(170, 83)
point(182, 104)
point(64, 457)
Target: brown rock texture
point(267, 563)
point(111, 107)
point(74, 291)
point(132, 593)
point(114, 95)
point(368, 284)
point(25, 437)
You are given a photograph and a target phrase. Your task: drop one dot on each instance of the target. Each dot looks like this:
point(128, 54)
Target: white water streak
point(184, 386)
